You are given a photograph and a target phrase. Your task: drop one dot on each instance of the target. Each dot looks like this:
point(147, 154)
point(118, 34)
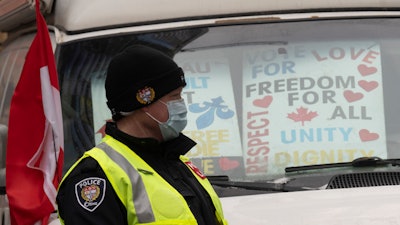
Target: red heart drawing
point(368, 85)
point(366, 70)
point(365, 135)
point(263, 102)
point(227, 164)
point(352, 96)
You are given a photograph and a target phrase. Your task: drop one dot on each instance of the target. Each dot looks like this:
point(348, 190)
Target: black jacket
point(162, 157)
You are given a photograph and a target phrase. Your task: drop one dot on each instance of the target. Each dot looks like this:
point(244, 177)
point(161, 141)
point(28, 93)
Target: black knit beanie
point(139, 76)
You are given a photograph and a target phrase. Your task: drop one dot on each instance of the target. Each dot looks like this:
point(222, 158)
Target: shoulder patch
point(90, 192)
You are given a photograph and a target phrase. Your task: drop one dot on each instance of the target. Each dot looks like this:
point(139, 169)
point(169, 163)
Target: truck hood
point(368, 205)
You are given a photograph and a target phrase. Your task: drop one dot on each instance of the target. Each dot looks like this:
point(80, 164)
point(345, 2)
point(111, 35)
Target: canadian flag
point(35, 156)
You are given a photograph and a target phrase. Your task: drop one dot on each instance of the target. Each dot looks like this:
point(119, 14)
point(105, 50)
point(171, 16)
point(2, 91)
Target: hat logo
point(145, 95)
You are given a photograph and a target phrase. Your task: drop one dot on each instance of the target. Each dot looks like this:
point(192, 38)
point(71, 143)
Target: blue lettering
point(329, 134)
point(197, 82)
point(273, 69)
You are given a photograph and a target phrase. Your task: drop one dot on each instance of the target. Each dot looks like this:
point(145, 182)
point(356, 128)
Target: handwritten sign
point(311, 104)
point(212, 117)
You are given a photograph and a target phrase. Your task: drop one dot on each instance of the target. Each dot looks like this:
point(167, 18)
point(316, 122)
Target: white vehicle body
point(75, 21)
point(369, 205)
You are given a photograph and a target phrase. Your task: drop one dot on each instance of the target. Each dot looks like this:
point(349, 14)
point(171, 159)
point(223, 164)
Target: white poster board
point(212, 117)
point(311, 104)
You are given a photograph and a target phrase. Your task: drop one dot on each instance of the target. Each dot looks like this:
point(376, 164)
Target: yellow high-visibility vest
point(147, 197)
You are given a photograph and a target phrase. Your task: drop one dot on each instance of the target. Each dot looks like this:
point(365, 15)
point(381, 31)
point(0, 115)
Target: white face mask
point(177, 119)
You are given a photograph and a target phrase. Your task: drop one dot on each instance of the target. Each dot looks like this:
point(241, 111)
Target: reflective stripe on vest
point(143, 210)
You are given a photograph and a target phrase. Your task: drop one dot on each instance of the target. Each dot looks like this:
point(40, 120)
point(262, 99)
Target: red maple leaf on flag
point(302, 115)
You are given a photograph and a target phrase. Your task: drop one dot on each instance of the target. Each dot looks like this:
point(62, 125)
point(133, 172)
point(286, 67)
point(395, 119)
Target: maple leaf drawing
point(302, 115)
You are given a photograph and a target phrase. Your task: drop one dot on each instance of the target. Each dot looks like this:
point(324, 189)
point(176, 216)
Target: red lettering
point(318, 57)
point(257, 142)
point(264, 123)
point(355, 55)
point(258, 151)
point(370, 56)
point(258, 133)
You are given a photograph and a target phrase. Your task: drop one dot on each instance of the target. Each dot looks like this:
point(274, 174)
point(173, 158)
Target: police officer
point(138, 174)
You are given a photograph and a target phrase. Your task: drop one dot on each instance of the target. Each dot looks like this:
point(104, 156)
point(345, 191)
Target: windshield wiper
point(358, 162)
point(223, 181)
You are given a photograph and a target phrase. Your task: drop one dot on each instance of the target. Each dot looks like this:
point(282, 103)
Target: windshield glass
point(260, 97)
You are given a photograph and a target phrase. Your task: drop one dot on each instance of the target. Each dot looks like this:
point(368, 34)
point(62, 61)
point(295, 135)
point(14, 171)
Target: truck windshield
point(261, 97)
